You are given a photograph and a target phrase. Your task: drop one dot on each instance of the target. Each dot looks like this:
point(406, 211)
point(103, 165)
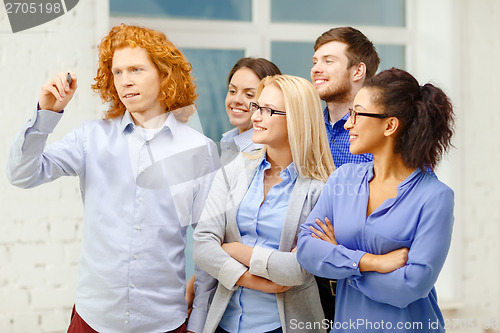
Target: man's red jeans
point(78, 325)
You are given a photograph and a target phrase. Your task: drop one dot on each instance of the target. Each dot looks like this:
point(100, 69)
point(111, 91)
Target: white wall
point(456, 45)
point(40, 237)
point(477, 25)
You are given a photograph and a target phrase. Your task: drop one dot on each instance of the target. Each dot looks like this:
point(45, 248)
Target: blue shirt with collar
point(242, 141)
point(233, 142)
point(338, 139)
point(260, 223)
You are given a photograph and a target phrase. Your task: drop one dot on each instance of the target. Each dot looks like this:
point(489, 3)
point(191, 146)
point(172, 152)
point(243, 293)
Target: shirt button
point(135, 257)
point(138, 227)
point(140, 199)
point(267, 201)
point(255, 221)
point(132, 285)
point(126, 321)
point(127, 313)
point(353, 264)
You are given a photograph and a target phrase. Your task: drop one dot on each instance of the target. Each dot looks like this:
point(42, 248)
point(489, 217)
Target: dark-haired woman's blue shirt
point(420, 218)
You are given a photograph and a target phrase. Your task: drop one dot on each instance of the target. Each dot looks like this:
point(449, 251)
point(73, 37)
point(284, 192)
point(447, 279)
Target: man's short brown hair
point(359, 48)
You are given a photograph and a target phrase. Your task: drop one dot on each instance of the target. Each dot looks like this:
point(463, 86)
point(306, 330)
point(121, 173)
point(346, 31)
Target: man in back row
point(343, 59)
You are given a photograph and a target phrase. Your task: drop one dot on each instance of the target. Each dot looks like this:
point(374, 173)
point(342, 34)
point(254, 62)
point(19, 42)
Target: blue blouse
point(420, 218)
point(260, 223)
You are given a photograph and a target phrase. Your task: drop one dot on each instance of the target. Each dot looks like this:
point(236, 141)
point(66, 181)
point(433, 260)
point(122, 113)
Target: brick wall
point(40, 237)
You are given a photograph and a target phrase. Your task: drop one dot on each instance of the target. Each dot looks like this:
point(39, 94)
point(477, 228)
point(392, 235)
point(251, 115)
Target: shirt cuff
point(230, 273)
point(197, 320)
point(45, 121)
point(259, 260)
point(356, 259)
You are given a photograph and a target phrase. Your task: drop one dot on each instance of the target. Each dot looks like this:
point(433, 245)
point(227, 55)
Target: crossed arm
point(409, 274)
point(243, 254)
point(238, 263)
point(384, 263)
point(229, 263)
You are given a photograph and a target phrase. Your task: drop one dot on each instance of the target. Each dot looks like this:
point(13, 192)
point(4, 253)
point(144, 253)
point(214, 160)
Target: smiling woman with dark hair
point(242, 83)
point(383, 228)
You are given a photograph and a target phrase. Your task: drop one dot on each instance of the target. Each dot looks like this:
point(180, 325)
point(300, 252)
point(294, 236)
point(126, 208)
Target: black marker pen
point(69, 79)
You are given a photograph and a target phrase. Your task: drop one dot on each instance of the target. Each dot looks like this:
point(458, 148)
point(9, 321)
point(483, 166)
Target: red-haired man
point(144, 176)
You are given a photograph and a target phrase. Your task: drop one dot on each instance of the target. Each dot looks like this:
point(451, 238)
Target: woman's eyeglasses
point(353, 114)
point(265, 110)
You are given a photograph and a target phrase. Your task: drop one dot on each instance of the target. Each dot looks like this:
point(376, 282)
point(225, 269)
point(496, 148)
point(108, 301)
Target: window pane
point(234, 10)
point(301, 62)
point(210, 68)
point(338, 12)
point(391, 56)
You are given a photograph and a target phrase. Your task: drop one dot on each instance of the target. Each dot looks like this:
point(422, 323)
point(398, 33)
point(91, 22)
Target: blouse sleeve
point(282, 267)
point(209, 235)
point(322, 258)
point(426, 257)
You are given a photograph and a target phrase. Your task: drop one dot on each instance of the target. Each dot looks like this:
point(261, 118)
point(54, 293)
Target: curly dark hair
point(177, 84)
point(425, 112)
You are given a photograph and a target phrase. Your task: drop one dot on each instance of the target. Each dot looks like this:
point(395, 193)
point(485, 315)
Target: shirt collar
point(288, 173)
point(244, 139)
point(229, 135)
point(345, 117)
point(326, 115)
point(171, 123)
point(401, 185)
point(409, 179)
point(127, 124)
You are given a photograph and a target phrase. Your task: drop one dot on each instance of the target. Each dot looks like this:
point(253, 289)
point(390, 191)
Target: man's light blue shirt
point(131, 275)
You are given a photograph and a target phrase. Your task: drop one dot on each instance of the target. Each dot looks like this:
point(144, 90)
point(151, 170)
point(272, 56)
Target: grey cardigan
point(301, 304)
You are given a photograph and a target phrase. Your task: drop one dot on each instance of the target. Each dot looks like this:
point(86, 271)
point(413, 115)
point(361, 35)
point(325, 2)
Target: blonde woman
point(249, 231)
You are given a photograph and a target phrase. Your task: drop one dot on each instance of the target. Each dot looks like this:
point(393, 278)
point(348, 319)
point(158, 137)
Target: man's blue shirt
point(338, 139)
